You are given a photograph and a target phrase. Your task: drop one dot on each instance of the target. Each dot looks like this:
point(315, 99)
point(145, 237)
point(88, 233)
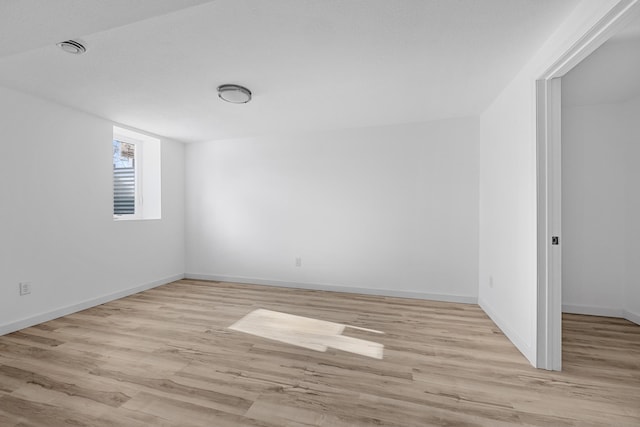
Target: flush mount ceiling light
point(234, 93)
point(72, 46)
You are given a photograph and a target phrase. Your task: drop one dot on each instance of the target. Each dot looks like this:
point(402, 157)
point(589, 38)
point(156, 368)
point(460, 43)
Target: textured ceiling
point(311, 64)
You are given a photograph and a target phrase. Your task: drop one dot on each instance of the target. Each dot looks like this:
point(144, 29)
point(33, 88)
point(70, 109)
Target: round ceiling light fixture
point(235, 94)
point(72, 46)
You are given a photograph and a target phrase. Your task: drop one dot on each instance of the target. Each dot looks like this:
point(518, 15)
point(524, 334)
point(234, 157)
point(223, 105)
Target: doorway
point(550, 201)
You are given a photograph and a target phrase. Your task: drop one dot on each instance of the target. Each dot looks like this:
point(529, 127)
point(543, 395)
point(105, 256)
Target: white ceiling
point(610, 75)
point(29, 24)
point(311, 64)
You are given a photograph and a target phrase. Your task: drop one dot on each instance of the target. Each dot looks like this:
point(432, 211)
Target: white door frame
point(549, 184)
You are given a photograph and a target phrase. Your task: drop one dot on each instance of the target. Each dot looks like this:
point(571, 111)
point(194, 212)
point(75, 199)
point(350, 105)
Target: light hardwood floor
point(166, 357)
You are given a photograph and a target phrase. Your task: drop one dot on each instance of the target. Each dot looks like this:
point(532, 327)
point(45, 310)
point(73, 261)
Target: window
point(136, 175)
point(126, 188)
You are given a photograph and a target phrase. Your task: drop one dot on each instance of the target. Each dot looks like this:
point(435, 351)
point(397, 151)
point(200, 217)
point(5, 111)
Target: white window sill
point(129, 218)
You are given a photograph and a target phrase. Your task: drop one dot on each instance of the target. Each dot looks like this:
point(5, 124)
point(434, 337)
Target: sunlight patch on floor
point(306, 332)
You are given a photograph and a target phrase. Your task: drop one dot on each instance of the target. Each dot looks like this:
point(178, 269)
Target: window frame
point(147, 176)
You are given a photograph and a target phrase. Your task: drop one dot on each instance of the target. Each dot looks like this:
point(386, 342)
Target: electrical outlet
point(298, 262)
point(491, 281)
point(25, 288)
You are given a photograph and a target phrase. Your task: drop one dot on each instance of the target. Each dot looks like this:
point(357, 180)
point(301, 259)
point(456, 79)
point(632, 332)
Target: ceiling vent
point(72, 46)
point(235, 94)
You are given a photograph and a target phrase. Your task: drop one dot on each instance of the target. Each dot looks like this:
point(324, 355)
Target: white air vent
point(234, 94)
point(72, 46)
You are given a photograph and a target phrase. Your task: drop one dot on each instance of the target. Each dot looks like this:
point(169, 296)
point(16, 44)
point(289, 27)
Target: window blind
point(124, 191)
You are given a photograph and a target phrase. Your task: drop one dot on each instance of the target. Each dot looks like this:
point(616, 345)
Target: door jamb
point(548, 151)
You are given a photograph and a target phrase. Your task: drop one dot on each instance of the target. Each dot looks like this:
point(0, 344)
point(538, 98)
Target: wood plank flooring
point(165, 357)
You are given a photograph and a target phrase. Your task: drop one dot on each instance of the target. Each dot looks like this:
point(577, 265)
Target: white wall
point(632, 289)
point(391, 210)
point(594, 187)
point(57, 229)
point(600, 208)
point(508, 203)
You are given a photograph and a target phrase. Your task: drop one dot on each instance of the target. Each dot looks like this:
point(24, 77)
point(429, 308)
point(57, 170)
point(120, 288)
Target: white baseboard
point(334, 288)
point(632, 317)
point(602, 311)
point(63, 311)
point(592, 310)
point(525, 348)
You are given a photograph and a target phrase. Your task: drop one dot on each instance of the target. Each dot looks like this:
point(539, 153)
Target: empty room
point(328, 213)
